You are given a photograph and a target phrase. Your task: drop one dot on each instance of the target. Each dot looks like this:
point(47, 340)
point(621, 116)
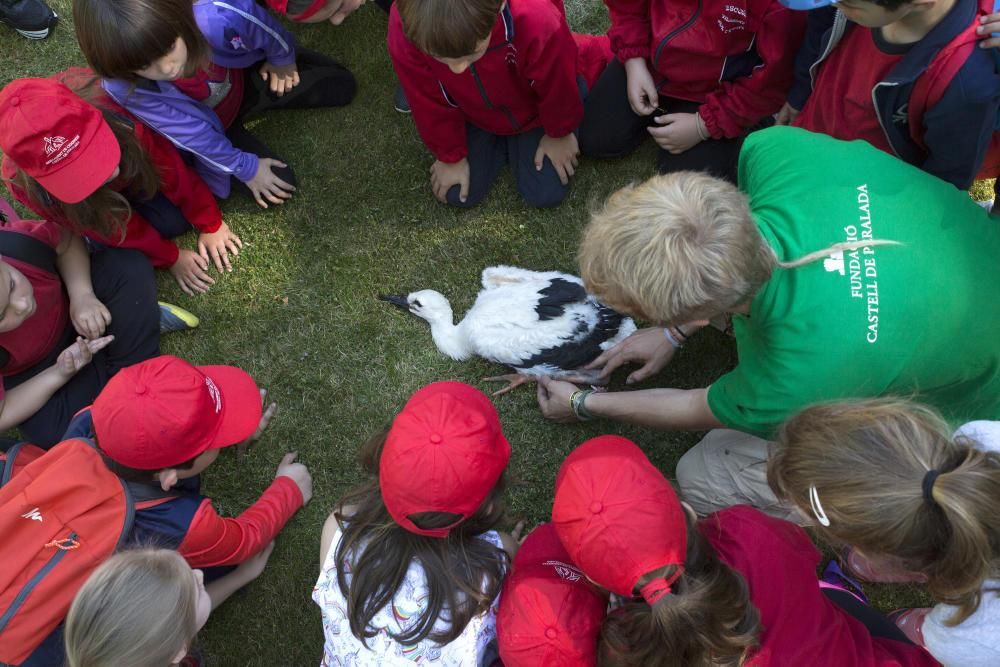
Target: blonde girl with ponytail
point(735, 588)
point(913, 502)
point(143, 608)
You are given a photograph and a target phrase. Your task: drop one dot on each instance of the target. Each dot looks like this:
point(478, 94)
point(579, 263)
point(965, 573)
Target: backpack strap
point(27, 249)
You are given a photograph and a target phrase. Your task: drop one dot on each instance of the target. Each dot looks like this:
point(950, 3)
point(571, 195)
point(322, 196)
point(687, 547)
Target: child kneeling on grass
point(143, 608)
point(194, 74)
point(737, 587)
point(68, 322)
point(915, 504)
point(78, 159)
point(491, 82)
point(411, 564)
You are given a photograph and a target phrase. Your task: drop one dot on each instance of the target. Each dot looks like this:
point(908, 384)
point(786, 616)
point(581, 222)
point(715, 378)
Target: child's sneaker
point(173, 318)
point(30, 18)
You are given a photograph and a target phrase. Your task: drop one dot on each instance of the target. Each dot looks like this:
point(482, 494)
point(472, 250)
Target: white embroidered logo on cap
point(213, 391)
point(565, 571)
point(59, 148)
point(52, 144)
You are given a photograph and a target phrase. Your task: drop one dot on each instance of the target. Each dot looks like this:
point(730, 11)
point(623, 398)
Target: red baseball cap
point(57, 138)
point(282, 8)
point(549, 615)
point(444, 453)
point(164, 411)
point(618, 516)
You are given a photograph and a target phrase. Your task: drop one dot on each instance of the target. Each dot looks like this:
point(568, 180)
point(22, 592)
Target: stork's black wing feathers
point(556, 296)
point(575, 354)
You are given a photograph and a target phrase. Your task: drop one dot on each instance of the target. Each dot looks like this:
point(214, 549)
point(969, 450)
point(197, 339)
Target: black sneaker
point(31, 18)
point(399, 101)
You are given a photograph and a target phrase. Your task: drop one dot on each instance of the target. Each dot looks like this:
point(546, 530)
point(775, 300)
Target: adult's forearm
point(665, 409)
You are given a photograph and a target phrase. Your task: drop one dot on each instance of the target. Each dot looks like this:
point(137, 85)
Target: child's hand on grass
point(217, 245)
point(191, 272)
point(445, 175)
point(676, 132)
point(346, 8)
point(281, 78)
point(298, 473)
point(562, 152)
point(990, 24)
point(269, 410)
point(265, 183)
point(786, 116)
point(90, 317)
point(79, 354)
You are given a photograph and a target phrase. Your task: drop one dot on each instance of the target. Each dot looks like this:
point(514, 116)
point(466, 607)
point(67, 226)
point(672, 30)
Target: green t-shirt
point(920, 319)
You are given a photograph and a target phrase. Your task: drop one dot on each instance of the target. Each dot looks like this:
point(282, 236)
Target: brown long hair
point(708, 619)
point(463, 573)
point(867, 461)
point(119, 37)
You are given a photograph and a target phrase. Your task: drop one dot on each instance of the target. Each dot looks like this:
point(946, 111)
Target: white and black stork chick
point(536, 322)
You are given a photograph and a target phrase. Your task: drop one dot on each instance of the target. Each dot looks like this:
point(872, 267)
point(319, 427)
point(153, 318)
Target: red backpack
point(930, 87)
point(62, 513)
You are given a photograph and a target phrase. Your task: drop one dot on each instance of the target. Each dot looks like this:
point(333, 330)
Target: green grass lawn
point(300, 313)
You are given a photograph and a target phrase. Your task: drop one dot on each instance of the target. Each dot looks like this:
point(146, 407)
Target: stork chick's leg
point(513, 380)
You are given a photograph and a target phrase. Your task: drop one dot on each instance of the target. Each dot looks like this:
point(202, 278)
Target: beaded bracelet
point(576, 404)
point(671, 339)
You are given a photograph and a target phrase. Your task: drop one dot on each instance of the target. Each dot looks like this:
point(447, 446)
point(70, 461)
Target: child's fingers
point(234, 240)
point(288, 458)
point(539, 158)
point(295, 78)
point(463, 190)
point(561, 172)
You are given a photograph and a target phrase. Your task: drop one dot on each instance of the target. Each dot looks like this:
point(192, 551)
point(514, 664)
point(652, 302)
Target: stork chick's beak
point(398, 300)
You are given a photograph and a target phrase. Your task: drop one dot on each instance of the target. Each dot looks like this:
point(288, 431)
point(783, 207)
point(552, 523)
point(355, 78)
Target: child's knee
point(547, 197)
point(542, 189)
point(473, 198)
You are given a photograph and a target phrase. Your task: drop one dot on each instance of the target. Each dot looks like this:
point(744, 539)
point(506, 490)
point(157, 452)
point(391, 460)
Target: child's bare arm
point(90, 317)
point(222, 588)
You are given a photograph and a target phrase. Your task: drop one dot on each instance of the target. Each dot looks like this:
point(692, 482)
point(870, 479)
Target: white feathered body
point(538, 322)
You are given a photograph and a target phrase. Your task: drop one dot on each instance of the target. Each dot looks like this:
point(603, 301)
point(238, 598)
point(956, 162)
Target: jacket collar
point(919, 58)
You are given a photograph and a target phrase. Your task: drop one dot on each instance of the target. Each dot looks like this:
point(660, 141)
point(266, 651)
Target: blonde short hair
point(679, 247)
point(136, 609)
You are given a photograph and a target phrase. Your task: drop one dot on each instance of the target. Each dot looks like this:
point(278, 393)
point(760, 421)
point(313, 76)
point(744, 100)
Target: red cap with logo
point(57, 138)
point(618, 517)
point(444, 453)
point(294, 13)
point(164, 411)
point(550, 615)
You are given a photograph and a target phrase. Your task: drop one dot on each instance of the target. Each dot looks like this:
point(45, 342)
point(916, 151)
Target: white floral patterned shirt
point(342, 649)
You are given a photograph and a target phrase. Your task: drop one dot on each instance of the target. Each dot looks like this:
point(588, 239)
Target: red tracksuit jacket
point(735, 57)
point(526, 79)
point(178, 183)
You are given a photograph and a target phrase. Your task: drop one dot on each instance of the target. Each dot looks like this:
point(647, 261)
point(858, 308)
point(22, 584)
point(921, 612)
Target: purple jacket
point(191, 125)
point(242, 33)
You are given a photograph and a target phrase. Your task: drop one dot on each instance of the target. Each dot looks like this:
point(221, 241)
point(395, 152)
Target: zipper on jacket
point(663, 42)
point(489, 105)
point(33, 582)
point(836, 33)
point(879, 116)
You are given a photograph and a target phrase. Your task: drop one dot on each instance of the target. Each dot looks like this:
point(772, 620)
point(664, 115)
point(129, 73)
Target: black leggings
point(610, 129)
point(124, 282)
point(323, 82)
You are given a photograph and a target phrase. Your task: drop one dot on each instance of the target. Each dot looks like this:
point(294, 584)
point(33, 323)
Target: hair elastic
point(817, 508)
point(657, 588)
point(928, 485)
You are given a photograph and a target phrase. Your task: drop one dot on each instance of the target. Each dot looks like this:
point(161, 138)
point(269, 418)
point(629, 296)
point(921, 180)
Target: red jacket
point(735, 57)
point(178, 183)
point(799, 624)
point(526, 79)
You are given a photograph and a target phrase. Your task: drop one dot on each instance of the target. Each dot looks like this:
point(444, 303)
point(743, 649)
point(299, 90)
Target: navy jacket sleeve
point(818, 26)
point(957, 130)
